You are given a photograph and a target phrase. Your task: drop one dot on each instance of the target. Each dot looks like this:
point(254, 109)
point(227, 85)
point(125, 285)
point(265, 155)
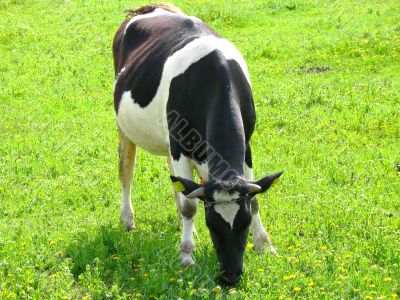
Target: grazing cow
point(184, 92)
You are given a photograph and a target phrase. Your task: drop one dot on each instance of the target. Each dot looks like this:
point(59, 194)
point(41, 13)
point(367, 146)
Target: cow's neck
point(225, 138)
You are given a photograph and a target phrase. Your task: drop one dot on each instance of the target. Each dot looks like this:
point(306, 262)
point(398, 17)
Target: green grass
point(326, 79)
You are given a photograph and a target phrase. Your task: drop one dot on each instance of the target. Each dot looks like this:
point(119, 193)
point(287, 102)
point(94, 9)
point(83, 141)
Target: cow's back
point(142, 46)
point(153, 49)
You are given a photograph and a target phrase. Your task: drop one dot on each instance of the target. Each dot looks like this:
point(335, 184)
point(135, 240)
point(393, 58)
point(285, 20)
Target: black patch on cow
point(144, 49)
point(215, 100)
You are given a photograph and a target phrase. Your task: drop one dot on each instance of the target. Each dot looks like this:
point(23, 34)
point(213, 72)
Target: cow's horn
point(253, 188)
point(199, 192)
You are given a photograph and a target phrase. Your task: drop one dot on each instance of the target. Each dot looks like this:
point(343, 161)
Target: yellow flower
point(372, 285)
point(86, 298)
point(114, 257)
point(138, 295)
point(387, 279)
point(288, 277)
point(369, 297)
point(324, 248)
point(297, 289)
point(172, 279)
point(394, 296)
point(249, 246)
point(216, 289)
point(260, 270)
point(52, 242)
point(311, 283)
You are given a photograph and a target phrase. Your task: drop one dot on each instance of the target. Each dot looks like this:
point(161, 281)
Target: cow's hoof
point(127, 220)
point(186, 259)
point(187, 248)
point(273, 250)
point(129, 226)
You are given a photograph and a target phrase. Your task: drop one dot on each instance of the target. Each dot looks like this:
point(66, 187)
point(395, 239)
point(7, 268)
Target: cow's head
point(228, 216)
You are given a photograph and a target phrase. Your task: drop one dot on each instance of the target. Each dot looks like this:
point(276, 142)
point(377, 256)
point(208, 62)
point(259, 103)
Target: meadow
point(326, 84)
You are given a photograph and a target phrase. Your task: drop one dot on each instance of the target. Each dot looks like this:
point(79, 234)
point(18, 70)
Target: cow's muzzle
point(230, 278)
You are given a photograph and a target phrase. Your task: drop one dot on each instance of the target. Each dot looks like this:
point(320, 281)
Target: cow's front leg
point(188, 210)
point(260, 235)
point(183, 167)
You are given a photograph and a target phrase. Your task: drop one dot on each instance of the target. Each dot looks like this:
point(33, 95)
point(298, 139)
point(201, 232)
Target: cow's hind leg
point(127, 159)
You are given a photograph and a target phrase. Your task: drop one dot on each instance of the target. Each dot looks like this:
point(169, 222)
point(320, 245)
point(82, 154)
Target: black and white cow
point(184, 92)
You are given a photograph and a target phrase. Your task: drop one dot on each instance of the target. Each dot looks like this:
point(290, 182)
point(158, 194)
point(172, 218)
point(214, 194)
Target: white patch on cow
point(227, 211)
point(147, 127)
point(202, 170)
point(248, 172)
point(154, 13)
point(141, 126)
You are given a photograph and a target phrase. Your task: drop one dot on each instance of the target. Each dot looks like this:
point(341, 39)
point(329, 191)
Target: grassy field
point(326, 79)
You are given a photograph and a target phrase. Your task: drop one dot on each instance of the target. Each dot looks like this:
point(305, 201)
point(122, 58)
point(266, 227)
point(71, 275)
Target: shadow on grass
point(145, 260)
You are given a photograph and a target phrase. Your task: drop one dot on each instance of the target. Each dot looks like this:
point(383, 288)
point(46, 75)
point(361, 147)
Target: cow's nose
point(230, 278)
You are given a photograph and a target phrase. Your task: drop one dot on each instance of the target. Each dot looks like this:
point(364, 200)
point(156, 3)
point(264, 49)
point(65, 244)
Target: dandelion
point(311, 283)
point(369, 297)
point(86, 298)
point(216, 289)
point(324, 248)
point(260, 270)
point(60, 254)
point(232, 292)
point(172, 279)
point(297, 289)
point(394, 296)
point(288, 277)
point(249, 246)
point(52, 243)
point(138, 295)
point(387, 279)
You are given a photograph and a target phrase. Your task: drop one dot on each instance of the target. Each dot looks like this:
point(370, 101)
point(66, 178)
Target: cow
point(184, 92)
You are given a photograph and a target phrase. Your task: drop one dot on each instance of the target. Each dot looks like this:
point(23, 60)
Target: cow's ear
point(263, 184)
point(187, 187)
